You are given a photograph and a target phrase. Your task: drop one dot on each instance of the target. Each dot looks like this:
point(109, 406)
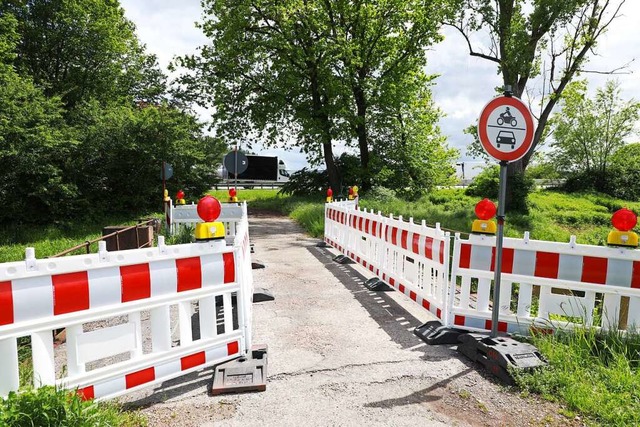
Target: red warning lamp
point(209, 208)
point(329, 195)
point(180, 194)
point(624, 220)
point(232, 192)
point(485, 209)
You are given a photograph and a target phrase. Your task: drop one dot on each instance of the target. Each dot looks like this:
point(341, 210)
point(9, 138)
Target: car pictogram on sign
point(506, 137)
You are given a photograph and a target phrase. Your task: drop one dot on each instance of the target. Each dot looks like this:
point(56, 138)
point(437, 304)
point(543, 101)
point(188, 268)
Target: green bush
point(486, 184)
point(47, 406)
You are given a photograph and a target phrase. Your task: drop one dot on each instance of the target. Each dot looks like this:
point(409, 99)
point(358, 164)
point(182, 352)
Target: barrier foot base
point(256, 265)
point(242, 375)
point(500, 355)
point(342, 259)
point(253, 251)
point(262, 295)
point(434, 333)
point(376, 284)
point(322, 244)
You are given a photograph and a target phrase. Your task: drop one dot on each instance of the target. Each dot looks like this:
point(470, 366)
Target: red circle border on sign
point(484, 137)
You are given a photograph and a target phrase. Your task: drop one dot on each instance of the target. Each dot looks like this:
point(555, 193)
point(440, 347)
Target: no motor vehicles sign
point(506, 128)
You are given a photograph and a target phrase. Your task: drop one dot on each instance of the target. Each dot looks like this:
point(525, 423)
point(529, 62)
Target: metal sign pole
point(236, 172)
point(502, 195)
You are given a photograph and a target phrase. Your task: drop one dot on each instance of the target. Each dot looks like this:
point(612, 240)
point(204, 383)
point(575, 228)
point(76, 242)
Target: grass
point(48, 406)
point(595, 374)
point(52, 239)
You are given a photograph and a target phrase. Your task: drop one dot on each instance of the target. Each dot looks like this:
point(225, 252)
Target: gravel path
point(340, 355)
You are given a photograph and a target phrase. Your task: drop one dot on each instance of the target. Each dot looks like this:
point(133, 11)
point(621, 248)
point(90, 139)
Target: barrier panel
point(544, 284)
point(410, 257)
point(133, 318)
point(180, 215)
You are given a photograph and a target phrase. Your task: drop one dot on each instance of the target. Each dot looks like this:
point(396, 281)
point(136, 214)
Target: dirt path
point(340, 355)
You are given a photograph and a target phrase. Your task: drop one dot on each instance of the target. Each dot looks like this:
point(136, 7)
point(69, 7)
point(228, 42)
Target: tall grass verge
point(48, 406)
point(594, 373)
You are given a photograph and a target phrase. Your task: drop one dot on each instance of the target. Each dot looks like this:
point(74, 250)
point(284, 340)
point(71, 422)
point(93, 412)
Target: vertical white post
point(135, 319)
point(524, 300)
point(73, 366)
point(160, 328)
point(228, 315)
point(9, 362)
point(184, 319)
point(44, 372)
point(208, 321)
point(611, 312)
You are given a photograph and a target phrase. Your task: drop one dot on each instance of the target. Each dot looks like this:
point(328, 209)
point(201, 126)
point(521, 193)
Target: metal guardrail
point(87, 244)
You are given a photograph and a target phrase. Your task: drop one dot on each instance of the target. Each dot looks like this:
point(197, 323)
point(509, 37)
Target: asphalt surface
point(338, 354)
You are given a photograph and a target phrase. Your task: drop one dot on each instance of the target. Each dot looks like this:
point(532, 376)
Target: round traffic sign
point(235, 162)
point(506, 128)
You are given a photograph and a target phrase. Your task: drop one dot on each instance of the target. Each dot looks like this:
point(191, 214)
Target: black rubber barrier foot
point(322, 244)
point(243, 374)
point(376, 284)
point(342, 259)
point(256, 265)
point(434, 333)
point(262, 295)
point(500, 355)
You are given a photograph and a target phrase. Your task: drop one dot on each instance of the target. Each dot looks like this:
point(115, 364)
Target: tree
point(378, 45)
point(82, 49)
point(309, 73)
point(624, 177)
point(587, 132)
point(35, 143)
point(521, 32)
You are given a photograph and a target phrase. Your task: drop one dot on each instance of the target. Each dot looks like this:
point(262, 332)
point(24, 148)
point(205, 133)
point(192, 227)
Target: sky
point(465, 84)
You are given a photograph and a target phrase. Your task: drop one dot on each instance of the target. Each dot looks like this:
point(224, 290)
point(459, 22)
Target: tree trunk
point(361, 131)
point(332, 169)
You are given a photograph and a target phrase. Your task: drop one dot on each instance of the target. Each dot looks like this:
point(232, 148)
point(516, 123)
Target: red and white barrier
point(558, 284)
point(410, 257)
point(544, 284)
point(128, 315)
point(180, 215)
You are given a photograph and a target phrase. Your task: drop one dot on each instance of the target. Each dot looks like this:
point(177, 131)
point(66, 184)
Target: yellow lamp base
point(622, 238)
point(482, 226)
point(233, 199)
point(209, 231)
point(329, 199)
point(181, 202)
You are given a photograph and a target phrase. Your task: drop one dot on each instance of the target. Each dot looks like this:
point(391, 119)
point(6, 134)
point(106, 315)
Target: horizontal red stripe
point(233, 348)
point(465, 255)
point(502, 326)
point(458, 320)
point(547, 265)
point(141, 377)
point(507, 260)
point(415, 243)
point(86, 393)
point(189, 274)
point(412, 295)
point(426, 304)
point(6, 303)
point(229, 267)
point(635, 275)
point(403, 239)
point(428, 247)
point(188, 362)
point(442, 253)
point(70, 292)
point(594, 270)
point(401, 288)
point(439, 313)
point(136, 282)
